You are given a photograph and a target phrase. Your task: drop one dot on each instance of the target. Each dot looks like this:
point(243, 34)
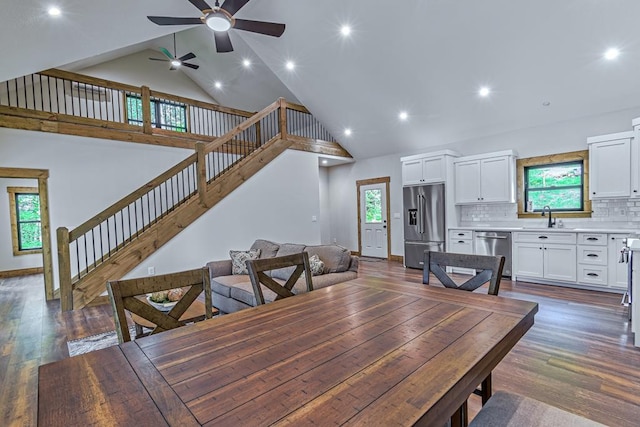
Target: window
point(559, 181)
point(164, 114)
point(26, 231)
point(557, 185)
point(373, 207)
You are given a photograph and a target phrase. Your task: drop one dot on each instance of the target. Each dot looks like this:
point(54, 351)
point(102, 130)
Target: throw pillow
point(316, 265)
point(238, 259)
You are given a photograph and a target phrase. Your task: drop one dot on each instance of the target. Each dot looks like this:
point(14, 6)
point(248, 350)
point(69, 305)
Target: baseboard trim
point(397, 258)
point(21, 272)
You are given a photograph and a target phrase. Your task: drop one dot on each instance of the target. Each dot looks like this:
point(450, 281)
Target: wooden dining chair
point(297, 263)
point(126, 295)
point(488, 269)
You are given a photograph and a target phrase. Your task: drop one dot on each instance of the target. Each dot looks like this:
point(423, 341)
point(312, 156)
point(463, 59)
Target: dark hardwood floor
point(578, 356)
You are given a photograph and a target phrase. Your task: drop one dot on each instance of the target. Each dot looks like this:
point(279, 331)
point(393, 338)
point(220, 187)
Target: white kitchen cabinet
point(485, 179)
point(635, 159)
point(610, 165)
point(618, 272)
point(461, 242)
point(549, 256)
point(426, 168)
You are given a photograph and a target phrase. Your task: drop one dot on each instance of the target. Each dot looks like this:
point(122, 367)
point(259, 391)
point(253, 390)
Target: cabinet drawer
point(460, 246)
point(460, 235)
point(592, 239)
point(542, 238)
point(592, 255)
point(595, 275)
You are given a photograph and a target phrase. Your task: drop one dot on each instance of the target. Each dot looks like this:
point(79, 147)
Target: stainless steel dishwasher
point(495, 243)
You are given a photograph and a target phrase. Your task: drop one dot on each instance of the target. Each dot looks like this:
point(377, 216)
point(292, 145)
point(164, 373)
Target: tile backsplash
point(619, 211)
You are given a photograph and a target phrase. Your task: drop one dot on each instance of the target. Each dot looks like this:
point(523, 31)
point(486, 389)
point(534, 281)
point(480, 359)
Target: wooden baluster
point(201, 167)
point(283, 118)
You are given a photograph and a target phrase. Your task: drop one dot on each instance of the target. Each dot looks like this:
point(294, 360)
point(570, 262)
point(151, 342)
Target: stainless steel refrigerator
point(424, 227)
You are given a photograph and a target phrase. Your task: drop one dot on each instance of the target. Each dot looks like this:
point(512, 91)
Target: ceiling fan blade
point(232, 6)
point(168, 20)
point(223, 42)
point(167, 53)
point(266, 28)
point(201, 4)
point(194, 66)
point(159, 59)
point(187, 57)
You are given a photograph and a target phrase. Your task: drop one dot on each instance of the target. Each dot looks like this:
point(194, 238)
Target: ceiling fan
point(220, 19)
point(176, 62)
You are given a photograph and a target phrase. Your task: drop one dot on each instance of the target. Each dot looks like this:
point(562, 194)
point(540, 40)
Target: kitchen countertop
point(629, 231)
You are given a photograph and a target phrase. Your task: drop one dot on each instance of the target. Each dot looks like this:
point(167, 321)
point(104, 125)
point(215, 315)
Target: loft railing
point(94, 242)
point(301, 123)
point(73, 98)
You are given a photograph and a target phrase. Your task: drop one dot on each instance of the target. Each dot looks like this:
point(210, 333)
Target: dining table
point(370, 351)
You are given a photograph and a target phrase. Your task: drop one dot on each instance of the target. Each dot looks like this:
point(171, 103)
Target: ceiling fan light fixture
point(218, 21)
point(176, 63)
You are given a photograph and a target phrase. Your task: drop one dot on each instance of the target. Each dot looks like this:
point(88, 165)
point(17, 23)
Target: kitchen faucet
point(552, 222)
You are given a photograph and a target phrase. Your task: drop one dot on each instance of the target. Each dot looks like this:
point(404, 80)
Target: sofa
point(231, 288)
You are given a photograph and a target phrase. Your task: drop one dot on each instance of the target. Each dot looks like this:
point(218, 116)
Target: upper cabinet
point(487, 178)
point(426, 168)
point(610, 166)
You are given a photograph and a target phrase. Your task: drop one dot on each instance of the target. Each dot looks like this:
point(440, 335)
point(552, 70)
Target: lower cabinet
point(588, 259)
point(546, 261)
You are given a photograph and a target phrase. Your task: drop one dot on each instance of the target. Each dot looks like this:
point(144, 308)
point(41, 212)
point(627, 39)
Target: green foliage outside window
point(373, 207)
point(28, 221)
point(559, 186)
point(173, 116)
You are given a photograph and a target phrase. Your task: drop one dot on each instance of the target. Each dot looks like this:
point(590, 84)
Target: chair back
point(126, 295)
point(488, 268)
point(257, 268)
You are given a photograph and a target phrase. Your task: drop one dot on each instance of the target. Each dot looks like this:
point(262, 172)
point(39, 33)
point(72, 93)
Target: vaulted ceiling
point(425, 57)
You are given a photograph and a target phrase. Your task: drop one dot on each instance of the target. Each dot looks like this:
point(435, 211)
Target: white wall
point(275, 204)
point(556, 138)
point(138, 70)
point(7, 260)
point(86, 175)
point(344, 199)
point(325, 207)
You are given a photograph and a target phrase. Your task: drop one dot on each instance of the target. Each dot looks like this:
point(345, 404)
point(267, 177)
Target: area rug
point(94, 342)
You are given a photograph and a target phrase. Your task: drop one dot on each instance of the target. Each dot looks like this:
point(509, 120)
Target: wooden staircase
point(113, 242)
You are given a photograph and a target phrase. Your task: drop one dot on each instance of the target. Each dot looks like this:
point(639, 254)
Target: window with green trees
point(26, 227)
point(373, 207)
point(164, 114)
point(558, 185)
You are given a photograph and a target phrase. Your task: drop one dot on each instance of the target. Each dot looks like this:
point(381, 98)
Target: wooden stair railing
point(70, 103)
point(117, 239)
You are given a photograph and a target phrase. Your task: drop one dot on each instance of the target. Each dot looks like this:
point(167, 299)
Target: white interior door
point(373, 220)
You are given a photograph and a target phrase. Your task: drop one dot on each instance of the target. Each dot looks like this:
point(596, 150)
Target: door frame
point(382, 180)
point(42, 175)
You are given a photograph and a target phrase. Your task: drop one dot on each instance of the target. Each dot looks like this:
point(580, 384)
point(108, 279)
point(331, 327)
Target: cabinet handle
point(542, 237)
point(460, 234)
point(461, 241)
point(592, 274)
point(592, 255)
point(635, 191)
point(593, 192)
point(592, 238)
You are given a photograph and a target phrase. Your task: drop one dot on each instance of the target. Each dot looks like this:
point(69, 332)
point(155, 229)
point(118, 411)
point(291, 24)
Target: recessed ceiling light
point(246, 63)
point(176, 63)
point(290, 65)
point(325, 161)
point(345, 30)
point(218, 85)
point(54, 11)
point(403, 115)
point(347, 132)
point(611, 54)
point(484, 91)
